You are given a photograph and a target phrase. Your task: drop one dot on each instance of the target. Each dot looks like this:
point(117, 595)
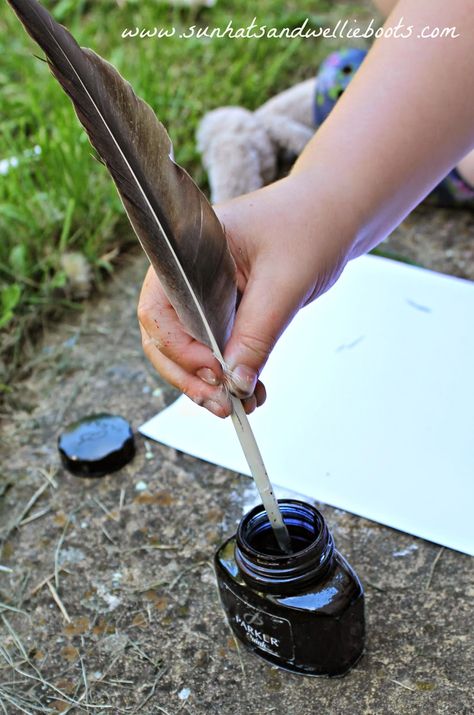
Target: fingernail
point(250, 404)
point(208, 376)
point(242, 381)
point(214, 407)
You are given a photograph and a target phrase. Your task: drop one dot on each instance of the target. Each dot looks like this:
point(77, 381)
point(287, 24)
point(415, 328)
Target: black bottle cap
point(96, 445)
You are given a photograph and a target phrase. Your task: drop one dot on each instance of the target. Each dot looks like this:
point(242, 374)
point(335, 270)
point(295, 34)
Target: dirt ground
point(108, 596)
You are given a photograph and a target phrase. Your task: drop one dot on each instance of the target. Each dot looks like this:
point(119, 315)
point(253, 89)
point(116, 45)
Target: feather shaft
point(259, 473)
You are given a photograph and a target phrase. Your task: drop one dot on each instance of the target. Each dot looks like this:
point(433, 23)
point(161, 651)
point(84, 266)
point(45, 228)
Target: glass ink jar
point(302, 611)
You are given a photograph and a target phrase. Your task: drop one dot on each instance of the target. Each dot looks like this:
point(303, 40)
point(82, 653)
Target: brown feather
point(172, 218)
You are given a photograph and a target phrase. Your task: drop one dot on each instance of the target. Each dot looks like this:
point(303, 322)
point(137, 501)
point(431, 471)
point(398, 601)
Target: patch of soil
point(107, 588)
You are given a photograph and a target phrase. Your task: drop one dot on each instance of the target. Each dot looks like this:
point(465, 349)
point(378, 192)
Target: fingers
point(159, 320)
point(265, 310)
point(260, 393)
point(180, 360)
point(213, 398)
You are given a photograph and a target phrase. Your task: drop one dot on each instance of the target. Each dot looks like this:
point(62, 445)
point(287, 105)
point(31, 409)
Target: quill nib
point(259, 473)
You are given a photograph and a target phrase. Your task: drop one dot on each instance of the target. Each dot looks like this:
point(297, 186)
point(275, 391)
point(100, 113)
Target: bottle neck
point(265, 567)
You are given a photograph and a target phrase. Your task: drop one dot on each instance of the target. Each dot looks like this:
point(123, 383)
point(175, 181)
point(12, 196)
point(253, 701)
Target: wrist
point(330, 208)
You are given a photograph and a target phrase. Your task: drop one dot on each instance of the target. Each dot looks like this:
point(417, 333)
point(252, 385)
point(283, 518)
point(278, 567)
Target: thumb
point(266, 308)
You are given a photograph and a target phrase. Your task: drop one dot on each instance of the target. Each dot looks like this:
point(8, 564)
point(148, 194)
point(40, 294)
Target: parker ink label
point(261, 629)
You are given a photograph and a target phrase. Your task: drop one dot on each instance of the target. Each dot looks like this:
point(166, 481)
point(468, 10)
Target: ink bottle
point(302, 611)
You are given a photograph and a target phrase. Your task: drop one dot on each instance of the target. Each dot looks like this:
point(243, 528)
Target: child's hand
point(282, 264)
point(392, 136)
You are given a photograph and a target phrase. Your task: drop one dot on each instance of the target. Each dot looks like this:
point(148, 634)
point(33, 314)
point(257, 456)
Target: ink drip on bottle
point(302, 611)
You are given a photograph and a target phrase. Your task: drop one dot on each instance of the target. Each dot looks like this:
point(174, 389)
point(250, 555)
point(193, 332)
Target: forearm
point(385, 7)
point(405, 120)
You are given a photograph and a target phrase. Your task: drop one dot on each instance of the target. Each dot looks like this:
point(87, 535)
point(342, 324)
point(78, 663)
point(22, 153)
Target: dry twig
point(42, 583)
point(402, 685)
point(36, 515)
point(104, 509)
point(26, 509)
point(433, 566)
point(58, 601)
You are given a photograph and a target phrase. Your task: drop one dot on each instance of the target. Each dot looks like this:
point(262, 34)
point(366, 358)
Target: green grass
point(62, 200)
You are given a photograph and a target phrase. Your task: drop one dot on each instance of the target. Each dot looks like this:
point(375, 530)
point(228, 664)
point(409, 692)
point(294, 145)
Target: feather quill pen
point(174, 222)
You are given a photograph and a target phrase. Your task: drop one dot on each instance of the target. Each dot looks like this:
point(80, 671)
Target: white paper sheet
point(370, 403)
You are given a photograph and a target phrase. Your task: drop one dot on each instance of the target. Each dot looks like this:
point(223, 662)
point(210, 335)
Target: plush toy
point(335, 74)
point(244, 150)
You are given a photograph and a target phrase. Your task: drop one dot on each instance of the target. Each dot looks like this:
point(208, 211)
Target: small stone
point(78, 273)
point(71, 555)
point(114, 644)
point(117, 580)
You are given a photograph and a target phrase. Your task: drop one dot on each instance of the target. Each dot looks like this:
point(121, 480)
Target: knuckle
point(217, 409)
point(149, 344)
point(167, 348)
point(145, 341)
point(260, 345)
point(143, 313)
point(187, 388)
point(148, 349)
point(197, 399)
